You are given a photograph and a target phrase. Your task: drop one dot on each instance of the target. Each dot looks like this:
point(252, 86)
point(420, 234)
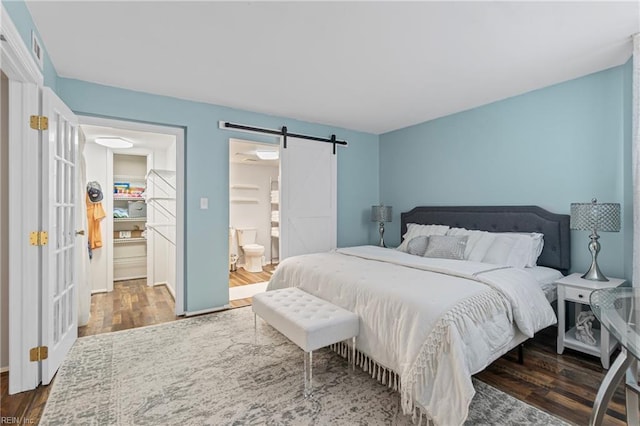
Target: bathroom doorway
point(254, 217)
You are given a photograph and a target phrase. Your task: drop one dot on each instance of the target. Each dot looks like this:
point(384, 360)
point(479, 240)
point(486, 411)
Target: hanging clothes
point(95, 214)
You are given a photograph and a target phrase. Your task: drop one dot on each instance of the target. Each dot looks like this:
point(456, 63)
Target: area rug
point(245, 291)
point(214, 370)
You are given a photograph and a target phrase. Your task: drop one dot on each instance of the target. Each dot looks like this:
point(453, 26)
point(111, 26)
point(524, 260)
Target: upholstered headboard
point(555, 227)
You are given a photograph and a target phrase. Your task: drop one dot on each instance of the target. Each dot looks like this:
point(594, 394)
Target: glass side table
point(618, 309)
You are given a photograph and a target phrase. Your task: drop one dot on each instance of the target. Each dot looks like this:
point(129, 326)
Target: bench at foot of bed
point(308, 321)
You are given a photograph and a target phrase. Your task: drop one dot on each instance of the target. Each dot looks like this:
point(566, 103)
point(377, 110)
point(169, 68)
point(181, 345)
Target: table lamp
point(381, 214)
point(595, 217)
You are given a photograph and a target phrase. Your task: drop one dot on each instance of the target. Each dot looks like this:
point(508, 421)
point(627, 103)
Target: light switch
point(204, 203)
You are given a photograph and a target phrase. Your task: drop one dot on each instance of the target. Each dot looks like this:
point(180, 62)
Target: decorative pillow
point(415, 230)
point(418, 245)
point(446, 246)
point(477, 244)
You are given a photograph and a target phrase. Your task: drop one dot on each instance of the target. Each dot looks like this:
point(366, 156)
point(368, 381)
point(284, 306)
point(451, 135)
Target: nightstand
point(576, 290)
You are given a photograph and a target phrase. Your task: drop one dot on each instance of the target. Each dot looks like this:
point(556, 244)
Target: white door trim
point(178, 132)
point(24, 81)
point(17, 62)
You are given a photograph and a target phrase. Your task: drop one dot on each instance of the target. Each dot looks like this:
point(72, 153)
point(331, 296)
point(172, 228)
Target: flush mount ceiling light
point(267, 155)
point(114, 142)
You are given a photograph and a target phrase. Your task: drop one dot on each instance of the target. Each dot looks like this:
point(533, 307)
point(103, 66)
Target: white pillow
point(415, 230)
point(500, 250)
point(519, 250)
point(477, 244)
point(527, 248)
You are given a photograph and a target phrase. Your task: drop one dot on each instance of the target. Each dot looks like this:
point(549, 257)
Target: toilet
point(252, 252)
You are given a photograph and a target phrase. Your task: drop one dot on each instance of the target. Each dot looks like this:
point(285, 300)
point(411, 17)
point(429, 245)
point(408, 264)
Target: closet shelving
point(161, 197)
point(274, 187)
point(130, 243)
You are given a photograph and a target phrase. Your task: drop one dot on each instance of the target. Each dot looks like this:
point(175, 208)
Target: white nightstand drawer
point(579, 295)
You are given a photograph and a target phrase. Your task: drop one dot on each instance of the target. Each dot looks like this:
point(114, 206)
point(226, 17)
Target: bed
point(427, 324)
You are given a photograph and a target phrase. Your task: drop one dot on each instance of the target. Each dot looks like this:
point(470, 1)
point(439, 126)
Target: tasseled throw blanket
point(433, 322)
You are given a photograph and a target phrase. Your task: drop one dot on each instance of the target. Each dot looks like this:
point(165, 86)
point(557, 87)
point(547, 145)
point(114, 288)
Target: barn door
point(308, 198)
point(59, 195)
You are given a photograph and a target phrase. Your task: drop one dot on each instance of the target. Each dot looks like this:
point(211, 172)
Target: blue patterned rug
point(213, 370)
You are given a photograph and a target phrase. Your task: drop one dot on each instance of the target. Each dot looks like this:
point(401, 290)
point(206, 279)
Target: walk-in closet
point(139, 227)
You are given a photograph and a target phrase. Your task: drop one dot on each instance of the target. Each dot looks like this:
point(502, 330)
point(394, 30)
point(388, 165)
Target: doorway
point(135, 278)
point(254, 217)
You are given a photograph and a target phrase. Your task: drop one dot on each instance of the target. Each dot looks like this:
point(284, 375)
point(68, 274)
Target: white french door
point(59, 196)
point(308, 211)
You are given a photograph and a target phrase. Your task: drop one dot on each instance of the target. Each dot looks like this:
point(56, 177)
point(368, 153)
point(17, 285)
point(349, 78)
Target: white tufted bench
point(309, 322)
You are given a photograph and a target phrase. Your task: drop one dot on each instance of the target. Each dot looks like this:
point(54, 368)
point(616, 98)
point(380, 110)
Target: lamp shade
point(381, 213)
point(595, 216)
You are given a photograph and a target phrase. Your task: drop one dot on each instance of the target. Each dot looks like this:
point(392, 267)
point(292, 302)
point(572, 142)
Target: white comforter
point(435, 322)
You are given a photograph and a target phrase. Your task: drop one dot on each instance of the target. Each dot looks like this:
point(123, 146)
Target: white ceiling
point(370, 66)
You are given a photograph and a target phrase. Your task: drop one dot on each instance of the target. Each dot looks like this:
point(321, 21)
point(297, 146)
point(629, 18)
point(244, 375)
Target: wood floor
point(131, 304)
point(242, 277)
point(564, 385)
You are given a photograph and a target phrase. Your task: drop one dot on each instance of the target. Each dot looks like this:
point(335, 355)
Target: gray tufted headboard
point(555, 227)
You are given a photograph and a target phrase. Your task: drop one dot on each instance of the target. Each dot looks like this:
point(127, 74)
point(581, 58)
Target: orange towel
point(95, 214)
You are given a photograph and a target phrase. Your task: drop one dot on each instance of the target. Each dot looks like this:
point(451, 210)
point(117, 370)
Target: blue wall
point(549, 147)
point(207, 173)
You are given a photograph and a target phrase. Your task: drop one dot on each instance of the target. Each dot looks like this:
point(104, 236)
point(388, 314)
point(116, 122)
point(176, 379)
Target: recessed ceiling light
point(114, 142)
point(267, 155)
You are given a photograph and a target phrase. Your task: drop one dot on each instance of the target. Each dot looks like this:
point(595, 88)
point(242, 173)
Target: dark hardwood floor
point(563, 385)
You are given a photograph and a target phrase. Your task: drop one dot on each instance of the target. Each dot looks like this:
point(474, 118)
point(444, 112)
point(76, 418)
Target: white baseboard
point(4, 369)
point(101, 290)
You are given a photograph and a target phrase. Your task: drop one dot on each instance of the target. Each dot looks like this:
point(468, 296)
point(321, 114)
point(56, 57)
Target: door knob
point(80, 232)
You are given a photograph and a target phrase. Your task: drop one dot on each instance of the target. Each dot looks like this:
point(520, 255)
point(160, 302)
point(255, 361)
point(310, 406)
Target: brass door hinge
point(39, 122)
point(38, 238)
point(38, 353)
